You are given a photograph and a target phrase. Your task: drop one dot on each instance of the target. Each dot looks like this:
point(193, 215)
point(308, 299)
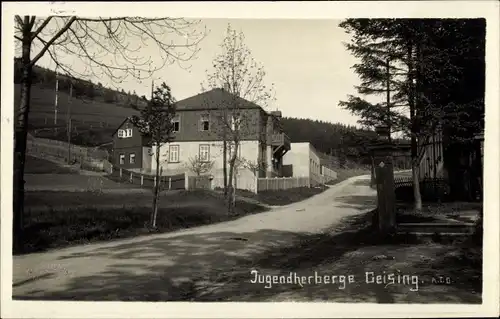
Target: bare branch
point(49, 43)
point(41, 27)
point(19, 20)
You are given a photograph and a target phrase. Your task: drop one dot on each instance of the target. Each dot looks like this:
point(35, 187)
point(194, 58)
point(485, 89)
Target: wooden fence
point(166, 182)
point(61, 150)
point(199, 182)
point(280, 183)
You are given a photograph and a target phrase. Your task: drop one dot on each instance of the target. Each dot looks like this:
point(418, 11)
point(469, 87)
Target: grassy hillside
point(93, 122)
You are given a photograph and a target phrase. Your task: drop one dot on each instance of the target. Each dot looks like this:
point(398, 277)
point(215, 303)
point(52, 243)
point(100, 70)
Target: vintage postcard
point(258, 159)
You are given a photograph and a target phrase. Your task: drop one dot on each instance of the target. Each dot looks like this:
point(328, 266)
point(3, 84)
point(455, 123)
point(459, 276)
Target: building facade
point(130, 148)
point(200, 125)
point(303, 160)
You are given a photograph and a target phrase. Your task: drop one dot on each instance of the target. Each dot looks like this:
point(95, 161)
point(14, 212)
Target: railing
point(280, 139)
point(166, 182)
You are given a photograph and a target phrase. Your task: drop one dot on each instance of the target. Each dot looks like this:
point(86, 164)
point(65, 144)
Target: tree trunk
point(416, 186)
point(388, 97)
point(372, 175)
point(156, 188)
point(231, 190)
point(224, 159)
point(414, 130)
point(20, 137)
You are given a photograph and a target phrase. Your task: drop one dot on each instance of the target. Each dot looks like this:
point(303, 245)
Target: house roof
point(211, 100)
point(124, 121)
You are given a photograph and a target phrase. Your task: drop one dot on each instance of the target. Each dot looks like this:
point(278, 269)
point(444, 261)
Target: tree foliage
point(429, 67)
point(155, 124)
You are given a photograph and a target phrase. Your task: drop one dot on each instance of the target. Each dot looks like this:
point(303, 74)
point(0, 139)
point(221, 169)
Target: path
point(169, 266)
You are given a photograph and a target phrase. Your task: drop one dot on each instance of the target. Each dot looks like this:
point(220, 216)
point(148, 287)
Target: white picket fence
point(280, 183)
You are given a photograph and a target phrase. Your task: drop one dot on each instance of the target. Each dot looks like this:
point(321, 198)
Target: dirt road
point(175, 265)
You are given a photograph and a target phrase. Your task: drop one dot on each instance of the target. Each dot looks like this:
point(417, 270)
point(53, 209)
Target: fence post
point(142, 180)
point(111, 169)
point(267, 183)
point(169, 183)
point(131, 177)
point(186, 181)
point(120, 172)
point(154, 181)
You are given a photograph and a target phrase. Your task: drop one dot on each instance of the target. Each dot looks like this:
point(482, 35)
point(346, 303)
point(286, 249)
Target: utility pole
point(69, 121)
point(56, 98)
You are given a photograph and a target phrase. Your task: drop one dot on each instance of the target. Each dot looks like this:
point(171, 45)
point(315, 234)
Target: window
point(176, 124)
point(125, 133)
point(132, 158)
point(173, 152)
point(204, 123)
point(204, 153)
point(122, 159)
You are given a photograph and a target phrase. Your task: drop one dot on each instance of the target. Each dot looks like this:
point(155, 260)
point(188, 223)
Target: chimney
point(226, 87)
point(276, 114)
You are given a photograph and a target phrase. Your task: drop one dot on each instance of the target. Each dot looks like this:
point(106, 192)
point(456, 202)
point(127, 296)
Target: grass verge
point(282, 197)
point(114, 216)
point(34, 165)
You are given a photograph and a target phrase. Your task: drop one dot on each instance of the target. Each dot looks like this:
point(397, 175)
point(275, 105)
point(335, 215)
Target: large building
point(199, 127)
point(304, 161)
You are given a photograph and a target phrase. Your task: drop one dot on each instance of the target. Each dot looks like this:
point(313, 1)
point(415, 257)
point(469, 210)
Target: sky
point(305, 59)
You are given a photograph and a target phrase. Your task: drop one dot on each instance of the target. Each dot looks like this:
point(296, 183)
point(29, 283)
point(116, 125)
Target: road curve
point(103, 271)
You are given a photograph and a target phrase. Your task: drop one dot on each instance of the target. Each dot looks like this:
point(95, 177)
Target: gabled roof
point(124, 121)
point(211, 100)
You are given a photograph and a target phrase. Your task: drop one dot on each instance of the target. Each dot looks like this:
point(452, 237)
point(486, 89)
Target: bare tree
point(254, 166)
point(237, 73)
point(107, 47)
point(198, 166)
point(156, 123)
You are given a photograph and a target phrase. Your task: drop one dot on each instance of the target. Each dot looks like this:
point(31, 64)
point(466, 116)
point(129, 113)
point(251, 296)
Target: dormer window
point(125, 133)
point(204, 122)
point(176, 122)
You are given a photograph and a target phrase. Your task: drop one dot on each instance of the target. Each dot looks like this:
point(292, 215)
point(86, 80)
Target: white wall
point(304, 160)
point(147, 160)
point(298, 157)
point(249, 150)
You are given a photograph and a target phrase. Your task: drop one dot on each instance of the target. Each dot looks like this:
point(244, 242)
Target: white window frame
point(131, 158)
point(170, 152)
point(125, 133)
point(204, 118)
point(202, 152)
point(122, 159)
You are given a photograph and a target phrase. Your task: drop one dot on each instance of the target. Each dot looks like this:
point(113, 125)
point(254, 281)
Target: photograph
point(232, 160)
